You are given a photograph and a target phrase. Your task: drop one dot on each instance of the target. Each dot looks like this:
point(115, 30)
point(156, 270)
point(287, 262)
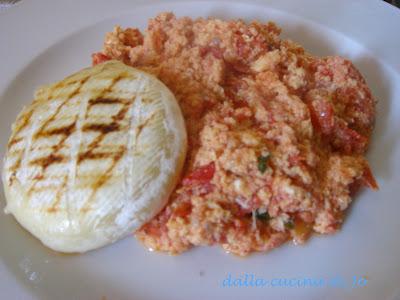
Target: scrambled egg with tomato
point(276, 136)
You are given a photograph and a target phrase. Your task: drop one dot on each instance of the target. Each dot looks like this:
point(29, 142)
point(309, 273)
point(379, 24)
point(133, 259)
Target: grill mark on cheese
point(139, 130)
point(122, 112)
point(65, 181)
point(54, 157)
point(53, 208)
point(104, 129)
point(144, 124)
point(14, 141)
point(27, 118)
point(25, 121)
point(114, 154)
point(14, 168)
point(115, 157)
point(45, 162)
point(101, 127)
point(65, 132)
point(54, 115)
point(104, 101)
point(90, 155)
point(114, 81)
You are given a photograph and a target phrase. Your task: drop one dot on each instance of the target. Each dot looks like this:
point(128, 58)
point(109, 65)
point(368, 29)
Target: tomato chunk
point(183, 210)
point(201, 175)
point(348, 139)
point(98, 58)
point(322, 116)
point(369, 179)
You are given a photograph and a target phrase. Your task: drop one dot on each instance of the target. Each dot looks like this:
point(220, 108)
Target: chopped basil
point(263, 216)
point(289, 224)
point(262, 163)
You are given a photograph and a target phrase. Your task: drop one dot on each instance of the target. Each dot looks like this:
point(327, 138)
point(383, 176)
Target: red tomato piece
point(158, 226)
point(184, 209)
point(201, 175)
point(369, 179)
point(349, 139)
point(322, 116)
point(98, 58)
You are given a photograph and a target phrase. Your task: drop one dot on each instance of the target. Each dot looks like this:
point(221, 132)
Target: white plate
point(42, 41)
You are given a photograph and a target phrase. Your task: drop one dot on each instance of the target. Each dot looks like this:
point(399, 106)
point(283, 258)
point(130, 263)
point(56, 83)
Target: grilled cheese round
point(94, 157)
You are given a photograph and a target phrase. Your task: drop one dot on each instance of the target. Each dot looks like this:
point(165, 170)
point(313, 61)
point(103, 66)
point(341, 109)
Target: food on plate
point(277, 136)
point(94, 157)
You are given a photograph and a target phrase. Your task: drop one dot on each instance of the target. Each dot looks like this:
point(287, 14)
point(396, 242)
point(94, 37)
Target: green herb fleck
point(263, 216)
point(262, 163)
point(289, 224)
